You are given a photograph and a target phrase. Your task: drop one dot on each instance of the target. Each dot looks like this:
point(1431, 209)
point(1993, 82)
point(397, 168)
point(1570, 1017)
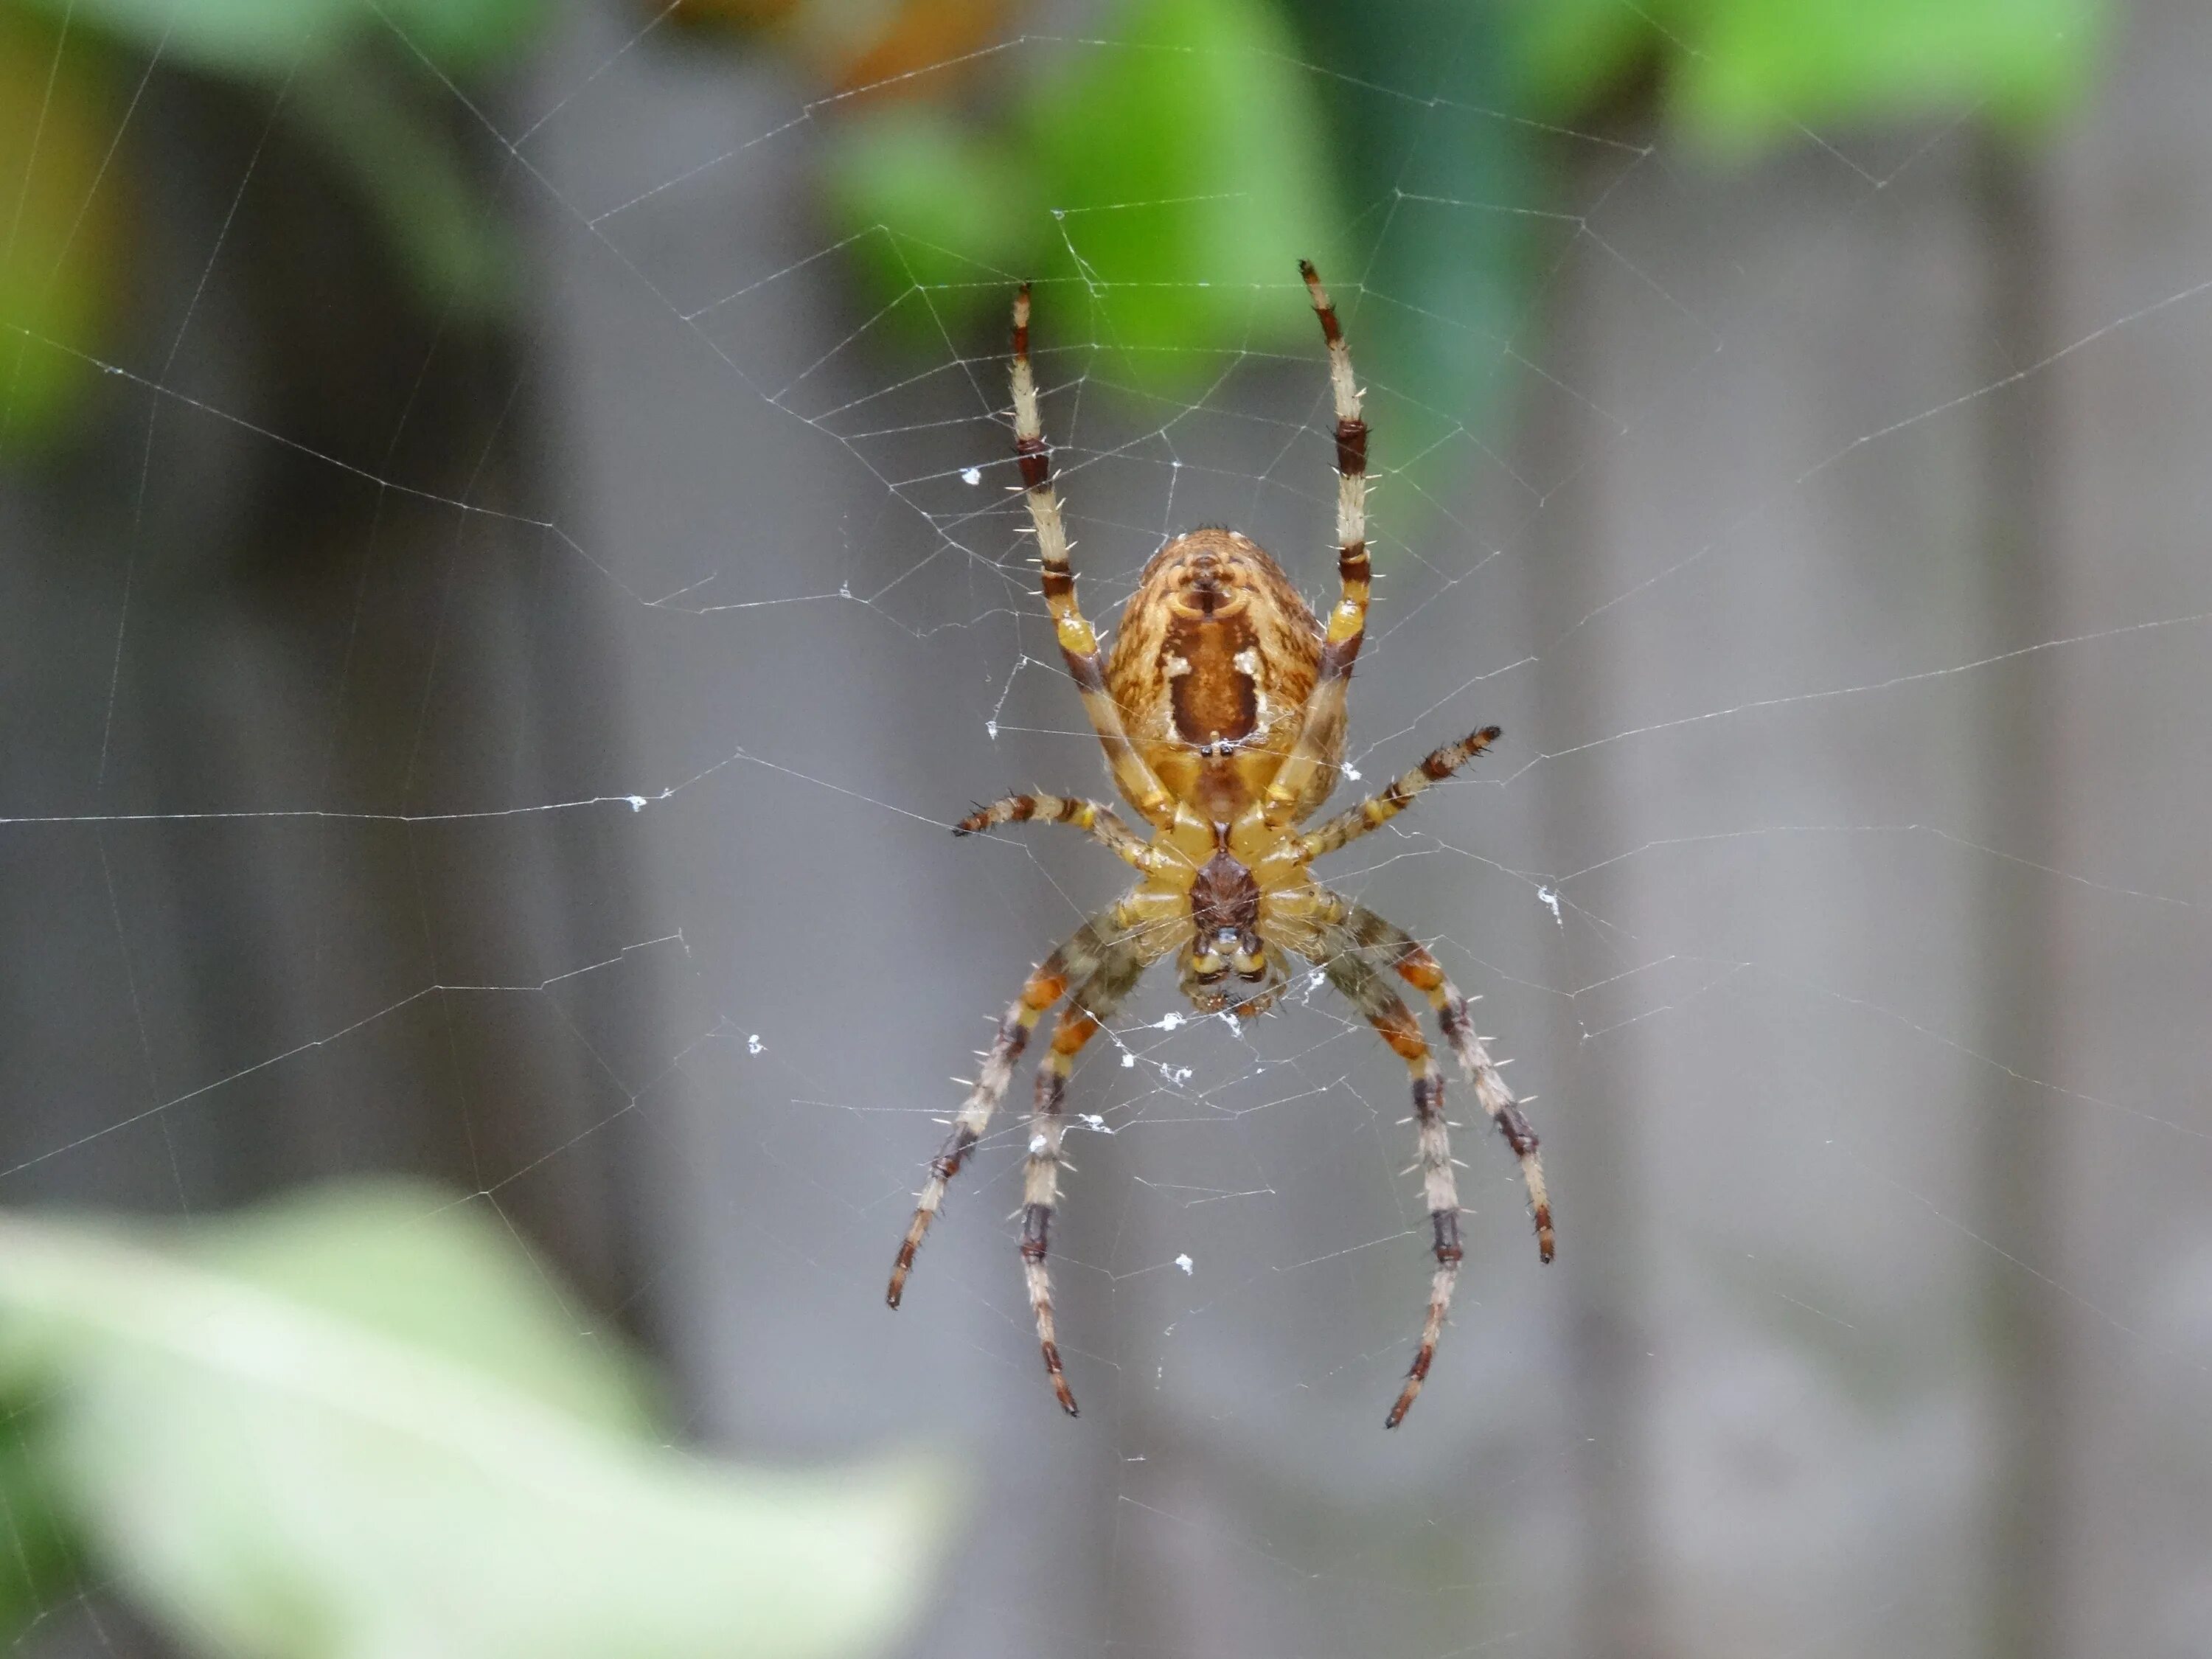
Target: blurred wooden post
point(2021, 1203)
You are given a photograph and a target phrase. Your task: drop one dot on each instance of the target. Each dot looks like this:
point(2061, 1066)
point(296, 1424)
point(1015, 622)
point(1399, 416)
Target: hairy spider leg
point(1362, 984)
point(1074, 961)
point(1322, 724)
point(1079, 642)
point(1380, 808)
point(1095, 818)
point(1092, 1003)
point(1418, 968)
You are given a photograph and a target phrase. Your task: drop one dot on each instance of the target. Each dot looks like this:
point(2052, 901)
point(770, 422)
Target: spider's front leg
point(1079, 640)
point(1321, 728)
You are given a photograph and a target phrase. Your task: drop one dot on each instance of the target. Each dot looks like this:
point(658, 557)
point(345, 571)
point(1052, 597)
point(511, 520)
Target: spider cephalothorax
point(1222, 714)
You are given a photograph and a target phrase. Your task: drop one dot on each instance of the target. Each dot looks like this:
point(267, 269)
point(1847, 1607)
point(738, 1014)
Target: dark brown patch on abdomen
point(1214, 699)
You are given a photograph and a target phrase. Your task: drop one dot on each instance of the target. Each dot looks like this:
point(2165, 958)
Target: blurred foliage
point(1443, 179)
point(268, 40)
point(363, 1424)
point(367, 83)
point(64, 235)
point(1741, 73)
point(1164, 171)
point(1184, 163)
point(1175, 175)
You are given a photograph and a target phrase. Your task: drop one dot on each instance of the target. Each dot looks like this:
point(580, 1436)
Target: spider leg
point(1095, 818)
point(1378, 809)
point(1074, 961)
point(1414, 964)
point(1321, 725)
point(1092, 1003)
point(1079, 642)
point(1362, 984)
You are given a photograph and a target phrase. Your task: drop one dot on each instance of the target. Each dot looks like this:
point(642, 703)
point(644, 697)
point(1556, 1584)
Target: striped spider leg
point(1221, 711)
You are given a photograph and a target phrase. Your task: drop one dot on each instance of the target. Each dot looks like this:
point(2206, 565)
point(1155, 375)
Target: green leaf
point(454, 250)
point(416, 1264)
point(466, 34)
point(1185, 172)
point(1567, 55)
point(269, 38)
point(38, 1561)
point(63, 229)
point(283, 1458)
point(1742, 73)
point(1166, 182)
point(931, 203)
point(1755, 71)
point(1442, 184)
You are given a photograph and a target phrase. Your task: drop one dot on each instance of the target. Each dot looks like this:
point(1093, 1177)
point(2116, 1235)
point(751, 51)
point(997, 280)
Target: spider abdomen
point(1212, 665)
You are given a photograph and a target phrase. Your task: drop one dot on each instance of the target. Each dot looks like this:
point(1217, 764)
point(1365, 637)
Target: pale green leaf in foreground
point(268, 1475)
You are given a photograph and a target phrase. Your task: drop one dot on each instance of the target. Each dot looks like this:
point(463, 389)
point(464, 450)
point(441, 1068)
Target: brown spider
point(1222, 714)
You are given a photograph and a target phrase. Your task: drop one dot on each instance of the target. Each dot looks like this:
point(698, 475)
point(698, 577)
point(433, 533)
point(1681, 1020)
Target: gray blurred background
point(518, 753)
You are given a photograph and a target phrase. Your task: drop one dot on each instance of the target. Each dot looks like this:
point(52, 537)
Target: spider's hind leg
point(1418, 968)
point(1075, 961)
point(1362, 984)
point(1092, 1003)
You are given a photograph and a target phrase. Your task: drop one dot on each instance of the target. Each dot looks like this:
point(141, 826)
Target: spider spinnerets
point(1221, 710)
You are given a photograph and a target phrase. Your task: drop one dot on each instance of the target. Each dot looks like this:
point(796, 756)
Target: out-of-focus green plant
point(1167, 181)
point(367, 83)
point(1742, 73)
point(360, 1426)
point(1401, 144)
point(63, 232)
point(269, 38)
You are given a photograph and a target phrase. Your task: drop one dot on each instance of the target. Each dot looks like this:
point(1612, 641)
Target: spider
point(1221, 709)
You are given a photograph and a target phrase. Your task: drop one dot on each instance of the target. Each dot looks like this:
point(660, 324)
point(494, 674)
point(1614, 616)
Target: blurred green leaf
point(1569, 55)
point(1173, 175)
point(279, 1452)
point(1739, 73)
point(424, 1268)
point(37, 1562)
point(271, 38)
point(932, 201)
point(1442, 183)
point(1185, 170)
point(455, 253)
point(1755, 71)
point(63, 229)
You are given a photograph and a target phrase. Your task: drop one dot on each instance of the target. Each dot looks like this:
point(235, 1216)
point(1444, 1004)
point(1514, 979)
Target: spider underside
point(1221, 710)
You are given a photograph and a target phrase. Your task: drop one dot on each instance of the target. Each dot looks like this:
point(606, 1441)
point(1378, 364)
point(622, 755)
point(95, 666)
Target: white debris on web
point(753, 1044)
point(1185, 1263)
